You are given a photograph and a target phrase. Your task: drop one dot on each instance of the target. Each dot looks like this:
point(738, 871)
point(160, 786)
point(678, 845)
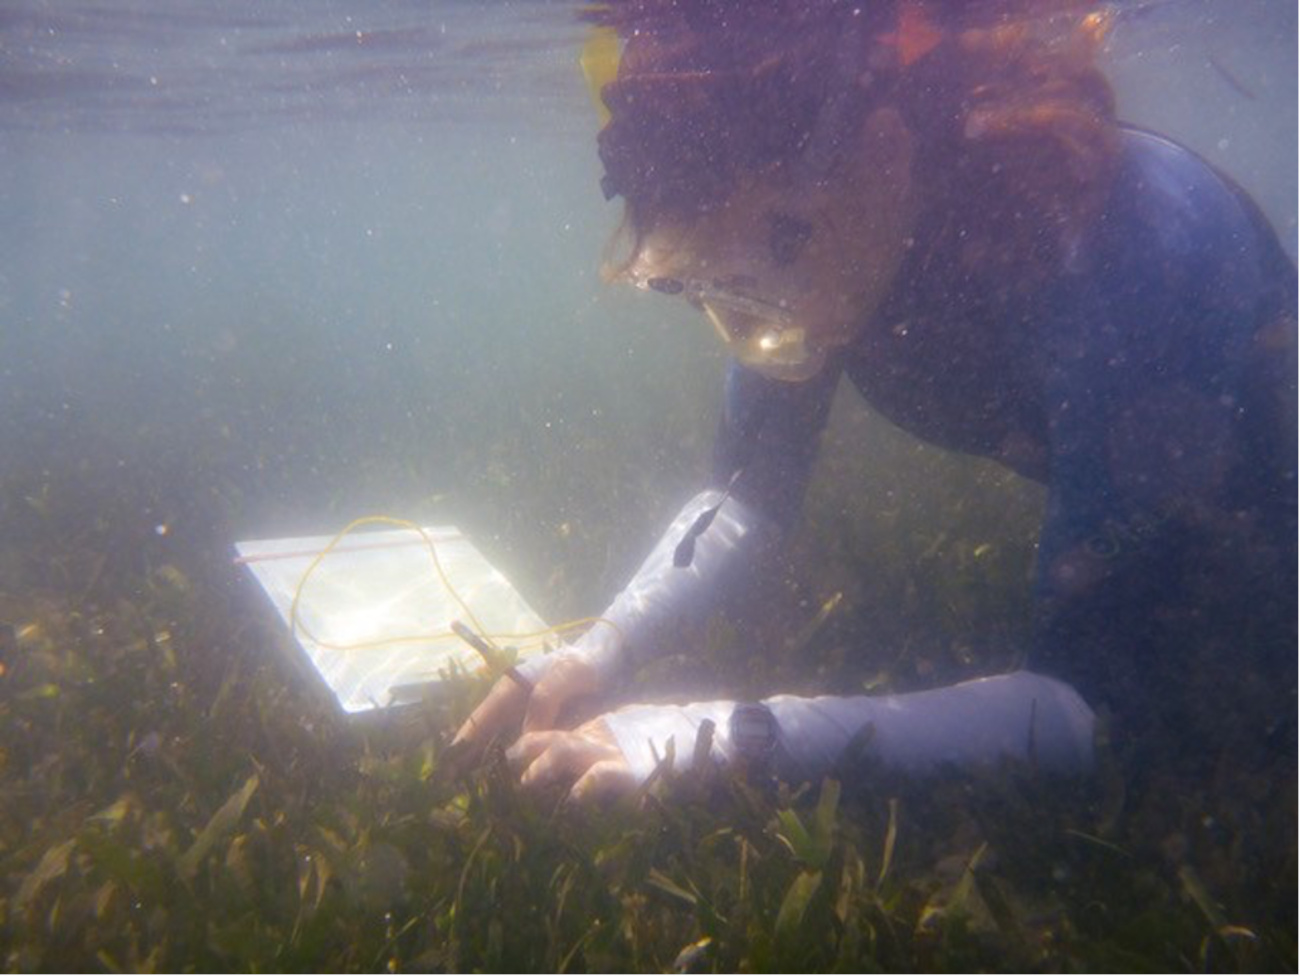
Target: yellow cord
point(529, 640)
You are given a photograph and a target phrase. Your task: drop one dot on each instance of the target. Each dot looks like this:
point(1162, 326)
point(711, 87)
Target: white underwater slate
point(382, 586)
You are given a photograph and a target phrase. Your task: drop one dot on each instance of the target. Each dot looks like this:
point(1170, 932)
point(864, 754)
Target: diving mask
point(760, 333)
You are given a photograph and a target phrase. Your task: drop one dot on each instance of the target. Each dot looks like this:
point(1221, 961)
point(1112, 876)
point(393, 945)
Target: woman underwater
point(935, 201)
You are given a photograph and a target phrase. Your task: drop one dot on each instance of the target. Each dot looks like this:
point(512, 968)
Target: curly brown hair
point(1014, 124)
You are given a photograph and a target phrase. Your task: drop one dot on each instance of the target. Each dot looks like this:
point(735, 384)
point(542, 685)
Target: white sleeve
point(1021, 715)
point(662, 597)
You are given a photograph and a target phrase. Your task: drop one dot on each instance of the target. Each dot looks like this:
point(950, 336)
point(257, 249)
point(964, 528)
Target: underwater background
point(267, 267)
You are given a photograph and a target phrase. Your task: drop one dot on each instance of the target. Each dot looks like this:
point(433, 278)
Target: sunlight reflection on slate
point(373, 616)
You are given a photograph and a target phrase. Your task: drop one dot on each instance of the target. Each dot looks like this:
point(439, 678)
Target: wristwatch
point(754, 736)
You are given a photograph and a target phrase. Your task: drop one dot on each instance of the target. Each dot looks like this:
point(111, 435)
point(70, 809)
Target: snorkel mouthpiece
point(777, 349)
point(761, 334)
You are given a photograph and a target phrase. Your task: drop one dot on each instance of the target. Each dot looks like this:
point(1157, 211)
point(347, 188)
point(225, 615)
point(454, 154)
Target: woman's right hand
point(515, 703)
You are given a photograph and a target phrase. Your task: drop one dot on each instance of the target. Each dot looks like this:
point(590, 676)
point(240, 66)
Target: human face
point(788, 271)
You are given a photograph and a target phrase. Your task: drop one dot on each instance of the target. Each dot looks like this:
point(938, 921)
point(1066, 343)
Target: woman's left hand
point(587, 756)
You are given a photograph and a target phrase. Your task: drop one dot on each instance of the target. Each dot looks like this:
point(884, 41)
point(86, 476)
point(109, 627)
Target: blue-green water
point(323, 261)
point(318, 292)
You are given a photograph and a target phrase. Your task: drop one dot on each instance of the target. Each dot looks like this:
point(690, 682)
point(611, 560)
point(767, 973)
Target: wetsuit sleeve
point(768, 438)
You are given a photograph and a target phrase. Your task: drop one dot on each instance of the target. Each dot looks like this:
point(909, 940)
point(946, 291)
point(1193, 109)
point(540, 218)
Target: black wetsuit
point(1150, 385)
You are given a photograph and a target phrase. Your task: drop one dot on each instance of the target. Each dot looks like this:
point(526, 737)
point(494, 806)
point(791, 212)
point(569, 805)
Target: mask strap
point(817, 161)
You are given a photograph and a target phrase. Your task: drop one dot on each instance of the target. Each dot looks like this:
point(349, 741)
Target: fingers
point(512, 702)
point(498, 716)
point(553, 757)
point(569, 678)
point(529, 747)
point(550, 757)
point(605, 781)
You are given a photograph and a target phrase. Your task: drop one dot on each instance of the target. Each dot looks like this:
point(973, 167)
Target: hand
point(589, 755)
point(512, 703)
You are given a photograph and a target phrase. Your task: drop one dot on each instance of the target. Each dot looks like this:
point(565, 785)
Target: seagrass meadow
point(176, 797)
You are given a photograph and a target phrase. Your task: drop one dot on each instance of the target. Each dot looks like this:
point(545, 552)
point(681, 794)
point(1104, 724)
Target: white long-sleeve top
point(1021, 715)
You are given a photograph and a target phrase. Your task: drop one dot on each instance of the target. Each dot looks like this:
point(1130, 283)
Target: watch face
point(753, 732)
